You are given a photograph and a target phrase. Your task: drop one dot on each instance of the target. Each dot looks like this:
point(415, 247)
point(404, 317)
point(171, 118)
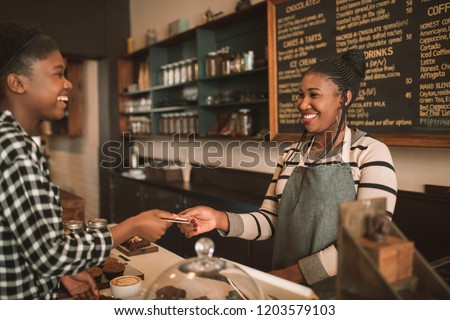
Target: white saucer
point(107, 293)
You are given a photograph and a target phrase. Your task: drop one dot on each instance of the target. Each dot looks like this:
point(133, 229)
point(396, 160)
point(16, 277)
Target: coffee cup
point(126, 286)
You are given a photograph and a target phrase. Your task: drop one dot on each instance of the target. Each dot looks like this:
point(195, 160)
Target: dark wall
point(85, 29)
point(82, 28)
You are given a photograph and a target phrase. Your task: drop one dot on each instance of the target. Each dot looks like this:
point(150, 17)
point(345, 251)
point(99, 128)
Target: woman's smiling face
point(319, 103)
point(47, 88)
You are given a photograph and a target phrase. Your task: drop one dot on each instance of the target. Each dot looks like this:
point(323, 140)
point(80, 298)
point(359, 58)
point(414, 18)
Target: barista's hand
point(203, 219)
point(81, 286)
point(147, 225)
point(291, 273)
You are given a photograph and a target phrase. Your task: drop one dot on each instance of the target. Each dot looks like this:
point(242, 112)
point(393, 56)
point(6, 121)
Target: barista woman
point(331, 163)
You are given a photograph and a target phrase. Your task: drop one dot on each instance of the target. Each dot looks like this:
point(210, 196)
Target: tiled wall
point(74, 161)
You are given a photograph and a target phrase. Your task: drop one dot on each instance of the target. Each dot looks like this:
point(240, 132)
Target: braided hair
point(346, 72)
point(21, 44)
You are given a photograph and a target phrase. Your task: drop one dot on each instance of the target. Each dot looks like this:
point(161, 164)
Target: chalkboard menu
point(405, 97)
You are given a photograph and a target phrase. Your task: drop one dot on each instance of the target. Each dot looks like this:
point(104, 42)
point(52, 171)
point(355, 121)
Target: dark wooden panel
point(82, 28)
point(126, 199)
point(425, 219)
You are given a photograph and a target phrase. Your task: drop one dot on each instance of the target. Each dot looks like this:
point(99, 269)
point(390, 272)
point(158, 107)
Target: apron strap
point(347, 142)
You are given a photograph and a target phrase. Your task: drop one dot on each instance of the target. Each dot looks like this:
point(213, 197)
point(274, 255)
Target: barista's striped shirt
point(34, 251)
point(373, 175)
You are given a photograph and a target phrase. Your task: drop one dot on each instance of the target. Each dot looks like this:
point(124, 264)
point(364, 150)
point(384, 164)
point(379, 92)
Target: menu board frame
point(409, 139)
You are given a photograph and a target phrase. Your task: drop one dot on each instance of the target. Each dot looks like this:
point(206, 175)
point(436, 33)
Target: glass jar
point(194, 68)
point(189, 70)
point(95, 224)
point(73, 226)
point(183, 71)
point(191, 122)
point(225, 62)
point(245, 123)
point(164, 75)
point(177, 123)
point(249, 60)
point(184, 123)
point(170, 74)
point(211, 64)
point(196, 123)
point(163, 124)
point(176, 73)
point(171, 126)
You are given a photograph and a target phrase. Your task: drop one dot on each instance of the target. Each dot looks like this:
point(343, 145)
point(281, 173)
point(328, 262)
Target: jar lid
point(97, 223)
point(244, 110)
point(73, 224)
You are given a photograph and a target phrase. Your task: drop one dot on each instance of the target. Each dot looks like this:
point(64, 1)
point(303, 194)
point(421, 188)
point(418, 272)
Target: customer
point(331, 163)
point(35, 253)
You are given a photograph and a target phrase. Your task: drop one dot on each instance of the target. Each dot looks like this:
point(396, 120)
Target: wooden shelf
point(241, 31)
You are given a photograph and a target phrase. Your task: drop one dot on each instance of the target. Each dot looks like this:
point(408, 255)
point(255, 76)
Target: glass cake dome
point(204, 278)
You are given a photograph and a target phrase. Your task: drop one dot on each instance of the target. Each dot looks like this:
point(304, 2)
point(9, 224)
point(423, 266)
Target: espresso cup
point(125, 286)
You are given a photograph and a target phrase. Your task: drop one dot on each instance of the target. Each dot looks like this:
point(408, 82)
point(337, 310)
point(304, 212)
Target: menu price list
point(405, 44)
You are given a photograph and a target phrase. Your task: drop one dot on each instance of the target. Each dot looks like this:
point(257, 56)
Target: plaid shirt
point(34, 252)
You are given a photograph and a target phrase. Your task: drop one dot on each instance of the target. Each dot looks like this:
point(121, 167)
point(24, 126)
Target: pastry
point(96, 273)
point(112, 270)
point(170, 293)
point(135, 243)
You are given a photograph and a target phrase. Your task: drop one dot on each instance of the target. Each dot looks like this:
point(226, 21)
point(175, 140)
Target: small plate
point(107, 293)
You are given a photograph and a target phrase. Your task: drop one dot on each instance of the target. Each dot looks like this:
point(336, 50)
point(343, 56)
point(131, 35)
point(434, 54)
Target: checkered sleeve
point(33, 211)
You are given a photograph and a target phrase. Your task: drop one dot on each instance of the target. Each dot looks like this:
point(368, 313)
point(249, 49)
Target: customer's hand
point(148, 225)
point(202, 219)
point(81, 286)
point(151, 226)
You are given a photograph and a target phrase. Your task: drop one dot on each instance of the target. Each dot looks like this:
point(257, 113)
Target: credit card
point(176, 220)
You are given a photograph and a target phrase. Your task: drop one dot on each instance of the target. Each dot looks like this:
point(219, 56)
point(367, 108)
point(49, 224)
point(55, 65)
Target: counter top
point(155, 263)
point(151, 264)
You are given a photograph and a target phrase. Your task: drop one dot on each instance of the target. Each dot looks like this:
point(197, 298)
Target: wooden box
point(166, 174)
point(393, 256)
point(73, 206)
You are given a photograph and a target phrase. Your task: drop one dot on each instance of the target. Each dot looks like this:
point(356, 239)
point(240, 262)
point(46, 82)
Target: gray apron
point(309, 208)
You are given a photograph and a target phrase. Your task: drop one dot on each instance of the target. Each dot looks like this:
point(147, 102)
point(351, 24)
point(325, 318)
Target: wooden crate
point(393, 256)
point(73, 206)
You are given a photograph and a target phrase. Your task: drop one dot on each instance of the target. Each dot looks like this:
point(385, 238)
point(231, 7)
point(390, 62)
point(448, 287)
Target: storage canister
point(98, 223)
point(164, 124)
point(170, 74)
point(73, 226)
point(183, 71)
point(211, 64)
point(245, 123)
point(164, 75)
point(194, 68)
point(189, 70)
point(176, 73)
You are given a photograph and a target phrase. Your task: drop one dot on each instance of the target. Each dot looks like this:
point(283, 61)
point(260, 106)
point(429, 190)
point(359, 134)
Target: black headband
point(14, 57)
